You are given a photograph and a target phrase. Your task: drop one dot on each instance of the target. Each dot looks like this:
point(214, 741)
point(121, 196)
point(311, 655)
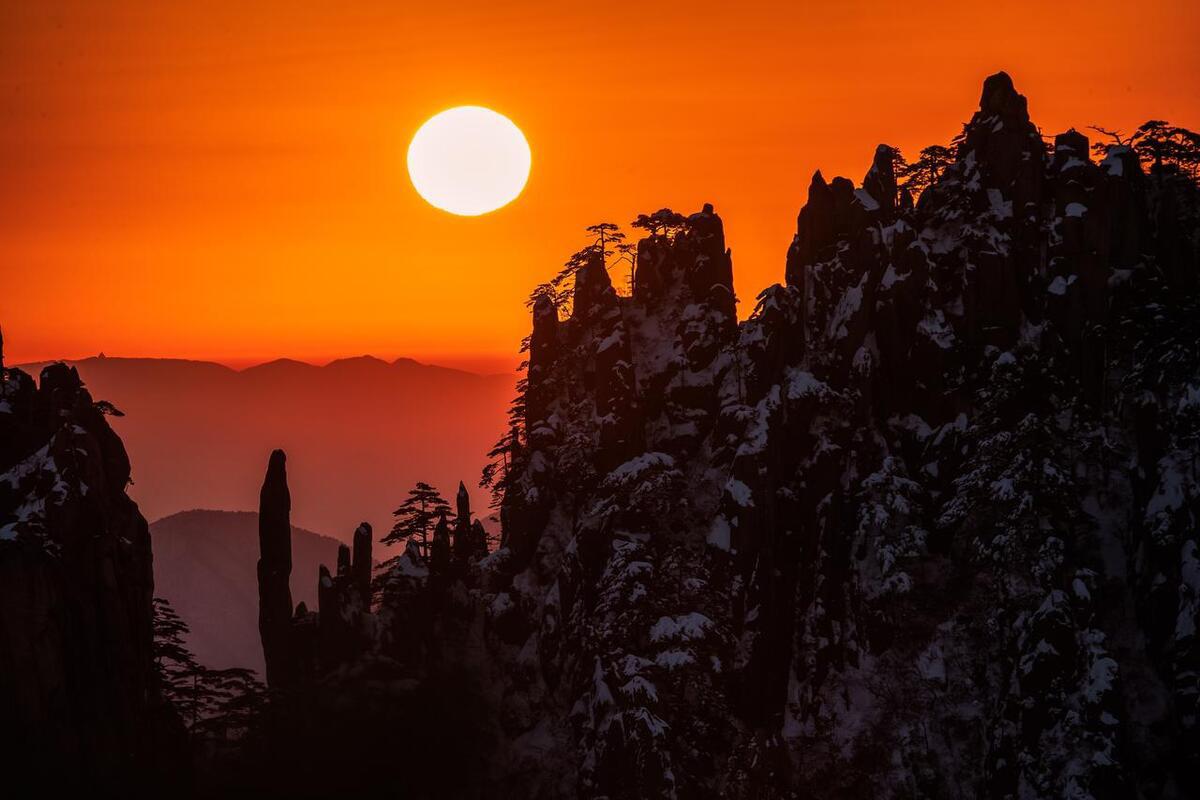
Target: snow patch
point(719, 533)
point(686, 627)
point(740, 493)
point(864, 197)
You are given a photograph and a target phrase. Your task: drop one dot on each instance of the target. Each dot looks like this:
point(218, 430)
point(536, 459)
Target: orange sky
point(226, 180)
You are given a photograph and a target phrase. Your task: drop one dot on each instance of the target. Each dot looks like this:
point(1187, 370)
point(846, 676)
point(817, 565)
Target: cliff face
point(924, 525)
point(78, 695)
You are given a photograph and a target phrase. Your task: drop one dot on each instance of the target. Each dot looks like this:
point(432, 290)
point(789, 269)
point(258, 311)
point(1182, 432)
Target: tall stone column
point(274, 573)
point(361, 565)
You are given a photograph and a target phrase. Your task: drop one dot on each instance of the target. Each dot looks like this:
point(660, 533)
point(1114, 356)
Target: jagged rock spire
point(462, 524)
point(814, 229)
point(463, 504)
point(543, 347)
point(880, 180)
point(1000, 96)
point(439, 550)
point(274, 572)
point(1007, 147)
point(345, 602)
point(711, 273)
point(361, 567)
point(592, 286)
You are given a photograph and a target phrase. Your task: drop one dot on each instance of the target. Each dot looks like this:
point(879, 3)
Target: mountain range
point(360, 431)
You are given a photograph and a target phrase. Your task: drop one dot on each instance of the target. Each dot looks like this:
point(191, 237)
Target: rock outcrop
point(300, 645)
point(376, 691)
point(274, 574)
point(79, 698)
point(914, 528)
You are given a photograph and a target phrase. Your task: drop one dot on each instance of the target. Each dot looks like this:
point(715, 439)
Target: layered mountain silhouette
point(924, 525)
point(204, 566)
point(197, 430)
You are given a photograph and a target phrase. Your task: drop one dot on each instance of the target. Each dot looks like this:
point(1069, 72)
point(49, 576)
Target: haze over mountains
point(359, 432)
point(204, 565)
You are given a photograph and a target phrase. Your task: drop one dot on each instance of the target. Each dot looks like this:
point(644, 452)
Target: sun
point(469, 160)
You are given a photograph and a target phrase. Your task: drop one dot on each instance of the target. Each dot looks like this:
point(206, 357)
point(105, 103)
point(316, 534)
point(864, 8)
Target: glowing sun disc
point(469, 160)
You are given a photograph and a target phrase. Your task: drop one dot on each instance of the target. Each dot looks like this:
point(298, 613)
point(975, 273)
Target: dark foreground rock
point(79, 701)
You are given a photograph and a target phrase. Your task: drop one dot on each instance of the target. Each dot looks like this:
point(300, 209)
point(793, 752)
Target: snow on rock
point(719, 534)
point(683, 628)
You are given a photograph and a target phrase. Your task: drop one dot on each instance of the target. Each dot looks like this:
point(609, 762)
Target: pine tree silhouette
point(417, 515)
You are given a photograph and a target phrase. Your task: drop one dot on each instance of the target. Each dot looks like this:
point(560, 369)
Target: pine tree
point(417, 515)
point(663, 222)
point(605, 239)
point(1162, 148)
point(178, 670)
point(232, 700)
point(1166, 147)
point(926, 170)
point(211, 703)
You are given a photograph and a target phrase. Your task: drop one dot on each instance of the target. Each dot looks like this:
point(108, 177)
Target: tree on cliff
point(926, 170)
point(1165, 146)
point(605, 235)
point(1161, 147)
point(663, 222)
point(494, 476)
point(417, 515)
point(605, 239)
point(627, 252)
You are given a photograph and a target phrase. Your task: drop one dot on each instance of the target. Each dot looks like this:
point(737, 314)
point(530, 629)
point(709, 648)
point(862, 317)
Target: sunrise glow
point(469, 161)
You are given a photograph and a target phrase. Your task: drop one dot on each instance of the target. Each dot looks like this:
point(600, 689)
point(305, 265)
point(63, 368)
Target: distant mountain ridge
point(360, 430)
point(205, 565)
point(402, 362)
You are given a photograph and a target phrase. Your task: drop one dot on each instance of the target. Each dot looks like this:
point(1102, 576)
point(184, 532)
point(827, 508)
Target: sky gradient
point(226, 182)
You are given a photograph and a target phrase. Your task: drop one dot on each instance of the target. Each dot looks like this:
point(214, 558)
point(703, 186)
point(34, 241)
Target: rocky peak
point(462, 504)
point(81, 699)
point(1000, 97)
point(543, 349)
point(299, 645)
point(814, 229)
point(439, 558)
point(773, 532)
point(880, 180)
point(274, 573)
point(464, 545)
point(593, 288)
point(1001, 148)
point(362, 563)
